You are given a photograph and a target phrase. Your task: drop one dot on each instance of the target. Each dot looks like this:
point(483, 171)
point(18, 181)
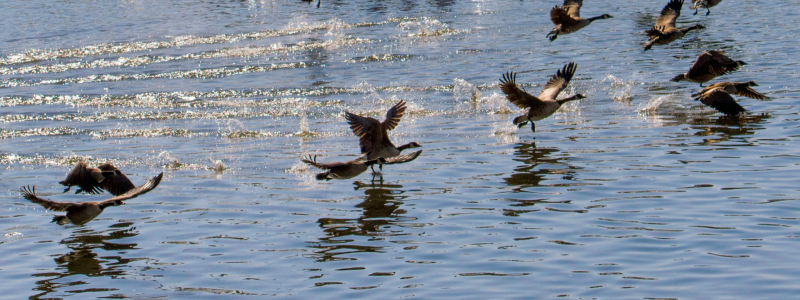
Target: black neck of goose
point(692, 28)
point(592, 19)
point(565, 100)
point(404, 147)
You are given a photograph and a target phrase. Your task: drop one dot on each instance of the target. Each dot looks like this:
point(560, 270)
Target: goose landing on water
point(374, 135)
point(708, 66)
point(664, 32)
point(568, 18)
point(83, 212)
point(546, 104)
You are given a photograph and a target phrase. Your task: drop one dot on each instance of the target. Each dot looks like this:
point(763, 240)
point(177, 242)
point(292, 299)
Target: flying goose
point(737, 88)
point(708, 66)
point(546, 104)
point(568, 18)
point(374, 136)
point(95, 180)
point(704, 4)
point(719, 99)
point(350, 169)
point(664, 32)
point(83, 212)
point(340, 170)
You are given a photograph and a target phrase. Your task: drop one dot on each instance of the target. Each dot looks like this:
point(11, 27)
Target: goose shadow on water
point(82, 260)
point(538, 165)
point(717, 129)
point(380, 209)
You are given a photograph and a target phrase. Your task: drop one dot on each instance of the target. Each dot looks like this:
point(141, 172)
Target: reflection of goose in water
point(83, 212)
point(530, 174)
point(720, 129)
point(81, 260)
point(380, 208)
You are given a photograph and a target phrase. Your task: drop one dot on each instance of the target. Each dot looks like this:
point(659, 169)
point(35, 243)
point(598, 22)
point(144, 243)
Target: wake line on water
point(34, 55)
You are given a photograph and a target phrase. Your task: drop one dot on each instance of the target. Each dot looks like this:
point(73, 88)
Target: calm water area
point(636, 192)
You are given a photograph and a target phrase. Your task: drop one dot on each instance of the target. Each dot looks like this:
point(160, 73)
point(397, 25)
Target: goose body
point(94, 180)
point(374, 135)
point(83, 212)
point(708, 66)
point(545, 104)
point(665, 32)
point(707, 4)
point(567, 18)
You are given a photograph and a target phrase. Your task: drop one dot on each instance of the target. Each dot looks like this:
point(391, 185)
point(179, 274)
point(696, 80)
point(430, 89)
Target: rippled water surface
point(636, 192)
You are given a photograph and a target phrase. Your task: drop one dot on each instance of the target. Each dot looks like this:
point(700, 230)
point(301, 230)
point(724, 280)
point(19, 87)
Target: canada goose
point(737, 88)
point(704, 4)
point(83, 212)
point(95, 180)
point(719, 99)
point(568, 18)
point(374, 136)
point(546, 104)
point(341, 170)
point(708, 66)
point(665, 32)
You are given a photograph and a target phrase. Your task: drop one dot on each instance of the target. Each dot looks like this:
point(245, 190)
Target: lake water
point(636, 192)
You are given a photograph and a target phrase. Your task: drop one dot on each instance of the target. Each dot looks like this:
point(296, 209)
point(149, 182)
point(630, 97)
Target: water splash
point(464, 91)
point(217, 165)
point(168, 160)
point(304, 132)
point(622, 90)
point(426, 27)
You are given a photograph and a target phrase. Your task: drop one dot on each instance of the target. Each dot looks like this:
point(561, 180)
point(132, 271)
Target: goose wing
point(30, 193)
point(559, 15)
point(751, 93)
point(720, 57)
point(520, 98)
point(312, 160)
point(368, 130)
point(141, 190)
point(85, 177)
point(558, 82)
point(669, 14)
point(393, 115)
point(403, 158)
point(573, 8)
point(706, 63)
point(721, 101)
point(115, 181)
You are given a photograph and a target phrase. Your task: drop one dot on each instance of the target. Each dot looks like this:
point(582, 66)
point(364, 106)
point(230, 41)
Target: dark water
point(637, 192)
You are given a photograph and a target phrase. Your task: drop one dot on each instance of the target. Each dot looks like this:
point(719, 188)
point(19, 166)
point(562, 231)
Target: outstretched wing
point(707, 63)
point(573, 7)
point(751, 93)
point(141, 190)
point(403, 158)
point(312, 160)
point(559, 82)
point(393, 115)
point(367, 129)
point(721, 101)
point(508, 84)
point(29, 193)
point(85, 177)
point(669, 14)
point(560, 16)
